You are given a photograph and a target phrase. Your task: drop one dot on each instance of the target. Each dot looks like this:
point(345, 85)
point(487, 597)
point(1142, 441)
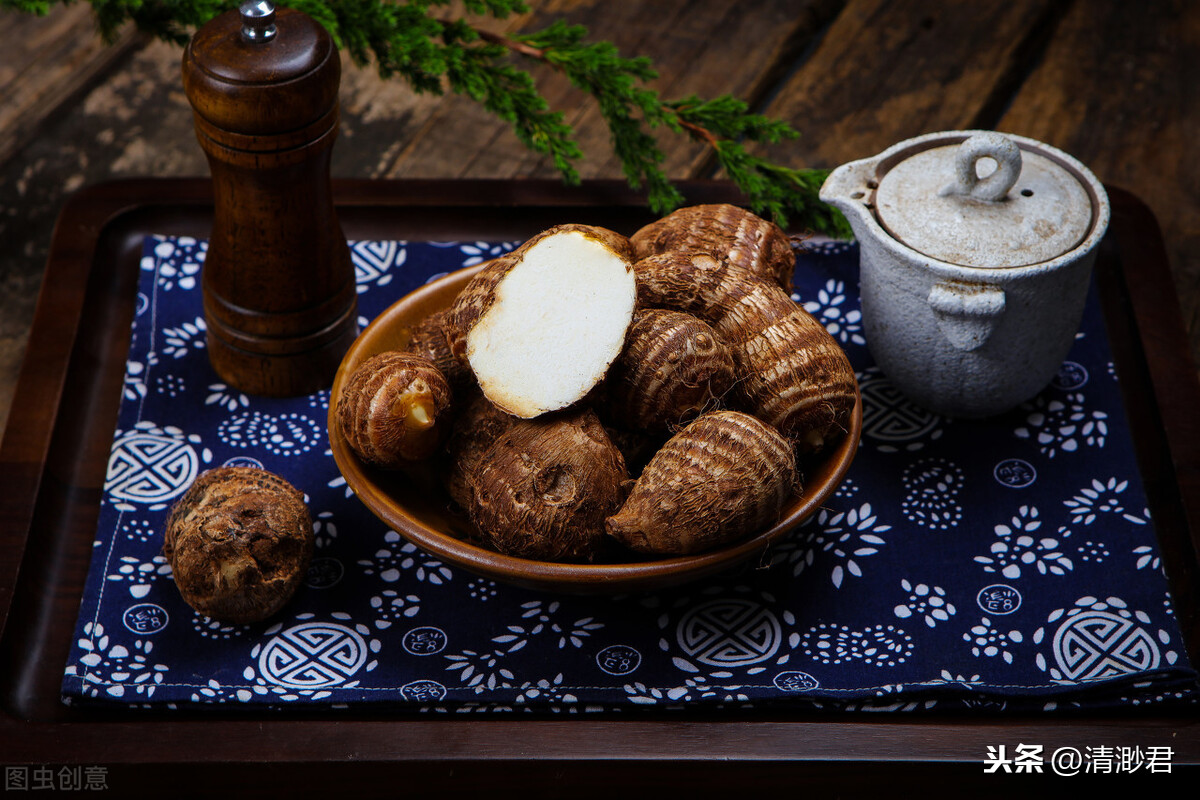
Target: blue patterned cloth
point(1009, 564)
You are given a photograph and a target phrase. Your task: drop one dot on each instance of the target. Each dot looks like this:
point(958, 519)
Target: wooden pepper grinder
point(278, 283)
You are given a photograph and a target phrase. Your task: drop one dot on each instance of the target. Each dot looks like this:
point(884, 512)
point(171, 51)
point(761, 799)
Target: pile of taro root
point(658, 391)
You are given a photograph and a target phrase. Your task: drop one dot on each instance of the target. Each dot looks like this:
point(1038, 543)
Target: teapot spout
point(851, 188)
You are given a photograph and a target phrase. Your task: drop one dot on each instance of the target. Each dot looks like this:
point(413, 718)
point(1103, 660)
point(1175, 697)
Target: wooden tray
point(52, 464)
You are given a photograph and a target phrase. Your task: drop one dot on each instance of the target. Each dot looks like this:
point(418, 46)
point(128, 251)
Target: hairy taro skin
point(724, 477)
point(545, 487)
point(476, 428)
point(637, 447)
point(239, 542)
point(435, 337)
point(732, 235)
point(673, 368)
point(791, 373)
point(390, 409)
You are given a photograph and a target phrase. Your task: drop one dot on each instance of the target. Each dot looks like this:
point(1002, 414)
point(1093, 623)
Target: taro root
point(239, 543)
point(637, 447)
point(723, 477)
point(673, 368)
point(730, 234)
point(542, 324)
point(435, 337)
point(391, 409)
point(790, 372)
point(475, 430)
point(545, 486)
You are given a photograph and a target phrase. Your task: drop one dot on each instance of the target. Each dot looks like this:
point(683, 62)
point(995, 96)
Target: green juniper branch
point(433, 55)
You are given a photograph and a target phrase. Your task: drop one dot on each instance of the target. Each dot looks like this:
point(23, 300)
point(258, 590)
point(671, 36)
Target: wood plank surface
point(705, 47)
point(1119, 89)
point(47, 60)
point(388, 131)
point(888, 70)
point(45, 63)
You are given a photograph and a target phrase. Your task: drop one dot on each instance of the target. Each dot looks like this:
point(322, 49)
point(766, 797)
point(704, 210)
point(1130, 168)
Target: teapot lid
point(1026, 210)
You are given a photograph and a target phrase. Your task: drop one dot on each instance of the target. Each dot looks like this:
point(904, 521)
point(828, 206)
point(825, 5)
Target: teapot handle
point(966, 313)
point(995, 186)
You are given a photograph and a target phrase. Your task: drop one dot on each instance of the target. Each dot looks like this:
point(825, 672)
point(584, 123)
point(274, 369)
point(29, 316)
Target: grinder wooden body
point(278, 282)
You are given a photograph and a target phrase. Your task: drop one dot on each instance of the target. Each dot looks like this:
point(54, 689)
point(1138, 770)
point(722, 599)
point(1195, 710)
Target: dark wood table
point(1109, 82)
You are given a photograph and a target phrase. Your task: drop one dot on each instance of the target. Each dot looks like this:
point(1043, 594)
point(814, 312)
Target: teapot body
point(960, 340)
point(964, 347)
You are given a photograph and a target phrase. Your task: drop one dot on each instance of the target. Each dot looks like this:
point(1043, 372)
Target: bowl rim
point(547, 575)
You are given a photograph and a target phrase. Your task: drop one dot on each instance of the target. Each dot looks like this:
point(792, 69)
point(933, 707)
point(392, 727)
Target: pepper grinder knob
point(258, 20)
point(278, 283)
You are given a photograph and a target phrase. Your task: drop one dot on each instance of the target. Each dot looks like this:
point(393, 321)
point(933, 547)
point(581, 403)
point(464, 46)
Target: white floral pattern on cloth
point(1020, 545)
point(1102, 497)
point(925, 602)
point(1006, 564)
point(835, 309)
point(175, 261)
point(933, 487)
point(878, 645)
point(1064, 425)
point(110, 668)
point(397, 557)
point(291, 434)
point(138, 575)
point(180, 341)
point(847, 537)
point(478, 252)
point(989, 642)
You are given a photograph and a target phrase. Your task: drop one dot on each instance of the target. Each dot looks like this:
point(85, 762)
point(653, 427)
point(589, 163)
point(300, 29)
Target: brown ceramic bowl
point(413, 503)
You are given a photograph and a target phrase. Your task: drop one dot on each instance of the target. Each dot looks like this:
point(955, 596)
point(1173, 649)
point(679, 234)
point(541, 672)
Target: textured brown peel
point(791, 373)
point(637, 447)
point(390, 408)
point(476, 428)
point(435, 337)
point(673, 367)
point(239, 543)
point(732, 235)
point(723, 477)
point(545, 487)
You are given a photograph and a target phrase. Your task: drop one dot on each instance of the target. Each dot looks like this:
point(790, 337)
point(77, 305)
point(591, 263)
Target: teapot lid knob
point(996, 185)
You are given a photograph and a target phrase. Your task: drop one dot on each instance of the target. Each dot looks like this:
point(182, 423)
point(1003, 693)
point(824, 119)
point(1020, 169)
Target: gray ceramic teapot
point(973, 279)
